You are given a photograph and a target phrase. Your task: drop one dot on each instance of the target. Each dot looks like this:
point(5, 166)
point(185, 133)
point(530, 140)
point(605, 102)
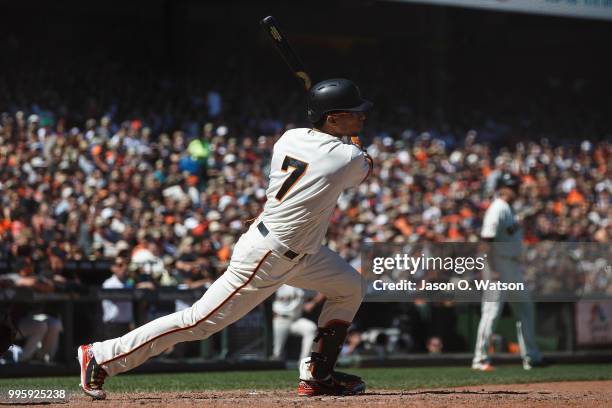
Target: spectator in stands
point(196, 162)
point(145, 257)
point(434, 345)
point(353, 344)
point(192, 269)
point(86, 194)
point(117, 315)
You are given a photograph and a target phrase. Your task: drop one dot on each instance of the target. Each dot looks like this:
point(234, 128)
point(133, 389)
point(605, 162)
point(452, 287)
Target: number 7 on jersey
point(299, 167)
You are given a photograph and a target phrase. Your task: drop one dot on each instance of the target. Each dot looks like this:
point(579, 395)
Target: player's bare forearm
point(357, 142)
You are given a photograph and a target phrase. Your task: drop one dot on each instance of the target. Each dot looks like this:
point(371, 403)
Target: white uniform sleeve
point(490, 223)
point(358, 167)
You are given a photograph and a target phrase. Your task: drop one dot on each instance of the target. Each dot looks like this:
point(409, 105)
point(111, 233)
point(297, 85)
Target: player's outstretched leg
point(254, 273)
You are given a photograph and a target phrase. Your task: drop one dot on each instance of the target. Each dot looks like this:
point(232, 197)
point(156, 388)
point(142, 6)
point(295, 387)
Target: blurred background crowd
point(174, 203)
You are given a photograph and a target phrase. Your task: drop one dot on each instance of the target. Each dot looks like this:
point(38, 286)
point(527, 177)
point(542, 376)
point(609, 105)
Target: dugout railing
point(248, 340)
point(81, 316)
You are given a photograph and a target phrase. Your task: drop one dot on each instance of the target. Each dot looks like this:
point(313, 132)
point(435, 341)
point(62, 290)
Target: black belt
point(264, 231)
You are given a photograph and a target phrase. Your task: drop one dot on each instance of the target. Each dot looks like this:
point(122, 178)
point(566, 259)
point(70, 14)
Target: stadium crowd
point(175, 203)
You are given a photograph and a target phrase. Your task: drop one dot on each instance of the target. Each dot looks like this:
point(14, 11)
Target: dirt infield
point(568, 394)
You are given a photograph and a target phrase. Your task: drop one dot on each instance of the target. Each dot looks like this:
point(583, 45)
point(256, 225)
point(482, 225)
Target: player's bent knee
point(309, 326)
point(353, 288)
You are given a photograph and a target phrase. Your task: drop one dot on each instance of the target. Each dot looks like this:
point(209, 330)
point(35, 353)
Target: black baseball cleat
point(92, 374)
point(337, 383)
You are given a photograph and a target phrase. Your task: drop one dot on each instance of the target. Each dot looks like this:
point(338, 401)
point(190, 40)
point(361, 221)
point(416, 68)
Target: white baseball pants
point(301, 327)
point(522, 308)
point(42, 333)
point(257, 268)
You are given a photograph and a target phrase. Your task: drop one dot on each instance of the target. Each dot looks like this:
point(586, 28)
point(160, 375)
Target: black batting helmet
point(335, 95)
point(508, 180)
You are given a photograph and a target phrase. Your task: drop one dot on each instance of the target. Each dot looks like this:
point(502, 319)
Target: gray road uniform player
point(501, 229)
point(310, 168)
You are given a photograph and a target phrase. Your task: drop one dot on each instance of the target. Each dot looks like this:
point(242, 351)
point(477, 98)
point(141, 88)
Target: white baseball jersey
point(288, 306)
point(289, 302)
point(500, 224)
point(309, 171)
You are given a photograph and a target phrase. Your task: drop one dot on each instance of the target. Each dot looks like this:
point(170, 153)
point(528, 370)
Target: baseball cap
point(508, 180)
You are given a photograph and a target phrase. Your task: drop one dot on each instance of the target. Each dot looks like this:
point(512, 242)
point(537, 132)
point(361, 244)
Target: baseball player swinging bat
point(310, 167)
point(295, 64)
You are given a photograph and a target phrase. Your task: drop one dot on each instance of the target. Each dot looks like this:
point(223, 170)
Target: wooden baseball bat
point(291, 58)
point(286, 51)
